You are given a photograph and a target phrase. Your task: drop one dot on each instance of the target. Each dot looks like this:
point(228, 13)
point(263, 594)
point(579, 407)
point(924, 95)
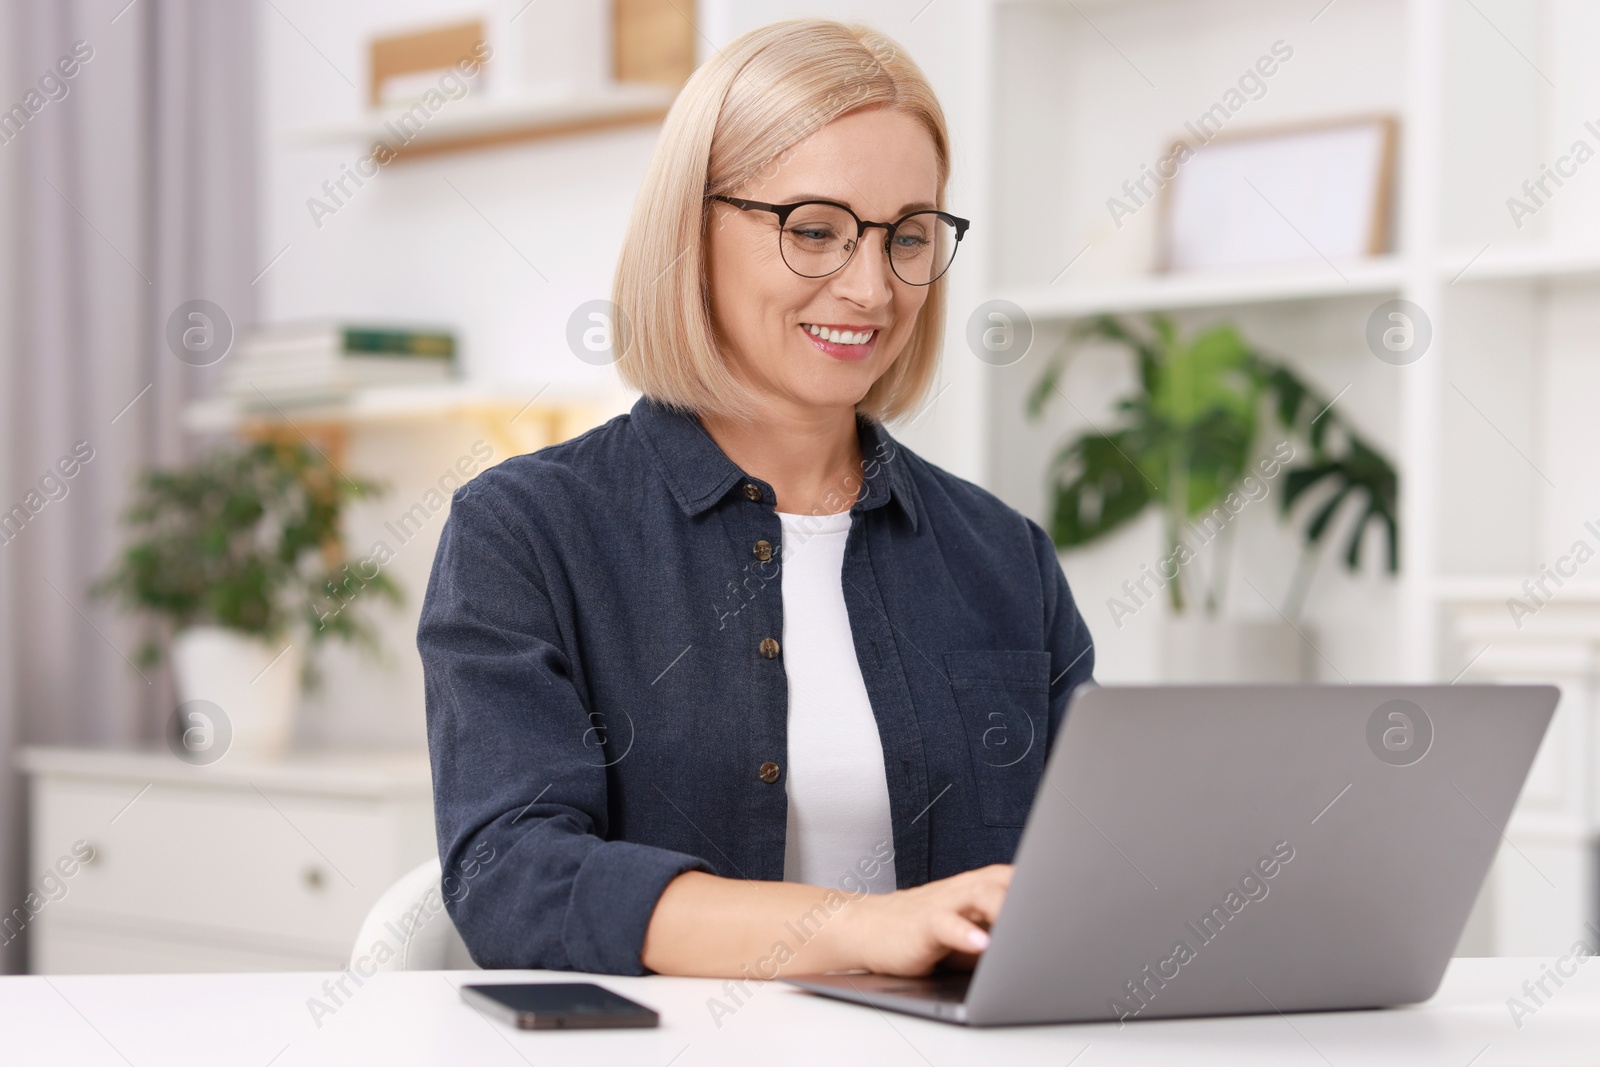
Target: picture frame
point(1279, 195)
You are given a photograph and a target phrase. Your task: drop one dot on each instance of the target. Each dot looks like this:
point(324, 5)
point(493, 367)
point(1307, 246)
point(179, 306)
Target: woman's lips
point(848, 353)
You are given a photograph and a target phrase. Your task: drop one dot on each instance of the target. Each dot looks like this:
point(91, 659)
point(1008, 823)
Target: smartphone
point(558, 1006)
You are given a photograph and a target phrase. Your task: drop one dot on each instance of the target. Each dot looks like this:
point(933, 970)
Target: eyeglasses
point(817, 237)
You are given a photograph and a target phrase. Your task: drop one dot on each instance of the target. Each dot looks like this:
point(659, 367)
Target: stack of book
point(307, 362)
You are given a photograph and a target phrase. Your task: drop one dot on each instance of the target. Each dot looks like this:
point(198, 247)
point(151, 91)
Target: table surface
point(418, 1017)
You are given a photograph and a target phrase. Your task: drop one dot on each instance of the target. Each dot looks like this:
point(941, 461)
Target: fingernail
point(978, 939)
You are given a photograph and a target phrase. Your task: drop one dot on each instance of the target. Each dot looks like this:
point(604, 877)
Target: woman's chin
point(832, 395)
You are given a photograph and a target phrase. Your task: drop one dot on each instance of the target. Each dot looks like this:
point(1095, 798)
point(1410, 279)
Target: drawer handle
point(313, 878)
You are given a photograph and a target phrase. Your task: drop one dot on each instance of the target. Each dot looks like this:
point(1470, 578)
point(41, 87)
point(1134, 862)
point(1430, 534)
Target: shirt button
point(752, 491)
point(769, 772)
point(769, 648)
point(763, 550)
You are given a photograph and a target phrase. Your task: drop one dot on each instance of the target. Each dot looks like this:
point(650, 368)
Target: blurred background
point(1280, 316)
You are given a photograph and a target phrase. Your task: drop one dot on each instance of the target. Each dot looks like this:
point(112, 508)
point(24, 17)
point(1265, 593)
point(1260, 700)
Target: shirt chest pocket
point(1003, 698)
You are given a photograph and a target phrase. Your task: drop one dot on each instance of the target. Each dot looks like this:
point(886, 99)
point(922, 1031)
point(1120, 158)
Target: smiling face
point(879, 162)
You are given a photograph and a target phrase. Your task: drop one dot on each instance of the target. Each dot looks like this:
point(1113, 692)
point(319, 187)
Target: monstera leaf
point(1184, 439)
point(1098, 488)
point(1361, 475)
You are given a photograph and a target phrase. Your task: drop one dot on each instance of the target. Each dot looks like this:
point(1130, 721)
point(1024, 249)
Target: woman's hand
point(911, 931)
point(708, 926)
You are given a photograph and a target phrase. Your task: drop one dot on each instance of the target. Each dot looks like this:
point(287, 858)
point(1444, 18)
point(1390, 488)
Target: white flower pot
point(255, 686)
point(1222, 650)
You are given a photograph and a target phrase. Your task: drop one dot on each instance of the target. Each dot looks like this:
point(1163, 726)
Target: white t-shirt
point(839, 831)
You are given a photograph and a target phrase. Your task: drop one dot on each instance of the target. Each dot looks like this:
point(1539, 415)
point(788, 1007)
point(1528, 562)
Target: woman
point(735, 685)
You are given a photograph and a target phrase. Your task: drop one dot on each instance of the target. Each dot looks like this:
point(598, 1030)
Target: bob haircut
point(735, 119)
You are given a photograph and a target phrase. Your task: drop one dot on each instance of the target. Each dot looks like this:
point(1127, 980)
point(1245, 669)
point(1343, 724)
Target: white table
point(253, 1020)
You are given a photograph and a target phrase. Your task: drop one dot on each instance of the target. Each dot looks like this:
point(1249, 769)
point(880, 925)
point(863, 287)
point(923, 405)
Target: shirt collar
point(700, 474)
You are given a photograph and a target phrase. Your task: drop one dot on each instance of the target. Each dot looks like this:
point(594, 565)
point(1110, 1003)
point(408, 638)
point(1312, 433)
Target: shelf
point(1315, 281)
point(482, 123)
point(1530, 262)
point(519, 417)
point(1086, 5)
point(396, 403)
point(1216, 289)
point(1497, 588)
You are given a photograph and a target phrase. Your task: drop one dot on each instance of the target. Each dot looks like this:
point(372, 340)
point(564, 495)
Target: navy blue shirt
point(606, 696)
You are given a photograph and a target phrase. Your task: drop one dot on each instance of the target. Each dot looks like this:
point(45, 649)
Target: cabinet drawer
point(60, 947)
point(303, 868)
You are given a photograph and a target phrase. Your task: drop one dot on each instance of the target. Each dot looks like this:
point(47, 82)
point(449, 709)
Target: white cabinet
point(233, 866)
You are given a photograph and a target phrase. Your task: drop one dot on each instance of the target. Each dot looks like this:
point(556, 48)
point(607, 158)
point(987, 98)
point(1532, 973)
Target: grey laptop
point(1219, 850)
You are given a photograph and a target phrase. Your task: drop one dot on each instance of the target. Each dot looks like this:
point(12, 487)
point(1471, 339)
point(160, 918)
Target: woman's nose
point(868, 269)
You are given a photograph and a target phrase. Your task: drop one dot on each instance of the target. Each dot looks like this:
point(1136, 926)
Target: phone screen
point(559, 1005)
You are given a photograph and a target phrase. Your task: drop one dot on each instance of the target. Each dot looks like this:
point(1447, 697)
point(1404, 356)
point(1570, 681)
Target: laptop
point(1228, 850)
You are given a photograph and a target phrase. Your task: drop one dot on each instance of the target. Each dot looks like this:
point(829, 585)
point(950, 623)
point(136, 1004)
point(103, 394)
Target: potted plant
point(236, 559)
point(1193, 441)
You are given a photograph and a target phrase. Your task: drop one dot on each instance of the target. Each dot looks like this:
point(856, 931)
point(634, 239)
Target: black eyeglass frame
point(783, 211)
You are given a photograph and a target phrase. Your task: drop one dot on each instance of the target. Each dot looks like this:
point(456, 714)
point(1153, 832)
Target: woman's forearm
point(706, 926)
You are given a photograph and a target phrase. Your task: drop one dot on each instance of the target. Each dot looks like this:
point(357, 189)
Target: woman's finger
point(984, 903)
point(960, 934)
point(998, 872)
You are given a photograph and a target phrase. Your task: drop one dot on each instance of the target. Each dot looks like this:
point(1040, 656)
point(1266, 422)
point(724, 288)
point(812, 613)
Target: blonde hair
point(741, 111)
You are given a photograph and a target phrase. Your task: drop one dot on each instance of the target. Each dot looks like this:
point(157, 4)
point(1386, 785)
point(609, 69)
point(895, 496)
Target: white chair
point(408, 929)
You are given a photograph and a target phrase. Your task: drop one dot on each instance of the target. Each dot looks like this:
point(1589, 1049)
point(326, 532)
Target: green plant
point(245, 538)
point(1184, 441)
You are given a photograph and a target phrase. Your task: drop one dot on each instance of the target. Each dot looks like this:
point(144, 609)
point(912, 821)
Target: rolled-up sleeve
point(1067, 637)
point(520, 802)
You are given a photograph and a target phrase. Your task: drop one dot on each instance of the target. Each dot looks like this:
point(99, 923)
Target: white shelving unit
point(1492, 429)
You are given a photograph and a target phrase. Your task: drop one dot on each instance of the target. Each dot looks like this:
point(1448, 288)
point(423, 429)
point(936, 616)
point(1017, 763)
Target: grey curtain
point(127, 191)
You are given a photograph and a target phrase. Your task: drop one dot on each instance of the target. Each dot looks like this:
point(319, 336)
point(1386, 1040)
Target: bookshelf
point(1492, 430)
point(1457, 253)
